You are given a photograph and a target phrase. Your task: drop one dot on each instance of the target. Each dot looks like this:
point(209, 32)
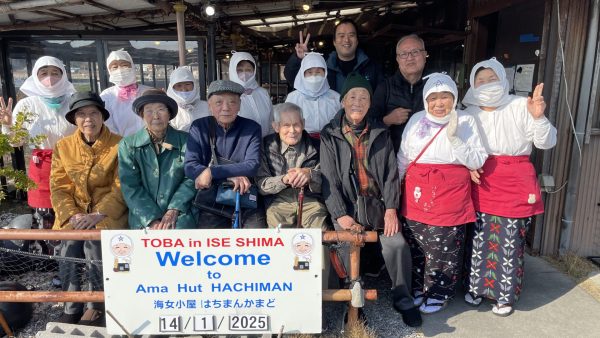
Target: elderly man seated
point(224, 147)
point(290, 164)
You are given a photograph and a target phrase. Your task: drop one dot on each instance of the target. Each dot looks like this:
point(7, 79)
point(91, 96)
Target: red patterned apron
point(438, 194)
point(39, 172)
point(509, 188)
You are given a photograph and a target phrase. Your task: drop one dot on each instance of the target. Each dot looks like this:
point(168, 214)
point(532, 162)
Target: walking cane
point(236, 214)
point(300, 204)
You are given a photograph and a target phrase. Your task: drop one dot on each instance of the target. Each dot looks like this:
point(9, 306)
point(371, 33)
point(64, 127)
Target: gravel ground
point(380, 316)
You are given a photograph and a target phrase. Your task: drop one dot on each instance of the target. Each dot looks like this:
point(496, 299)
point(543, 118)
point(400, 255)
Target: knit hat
point(155, 96)
point(83, 99)
point(224, 86)
point(355, 80)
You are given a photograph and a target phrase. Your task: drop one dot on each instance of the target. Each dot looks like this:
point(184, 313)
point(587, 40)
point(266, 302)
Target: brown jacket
point(85, 179)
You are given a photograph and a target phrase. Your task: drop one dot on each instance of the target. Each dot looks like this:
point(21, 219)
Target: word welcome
point(176, 258)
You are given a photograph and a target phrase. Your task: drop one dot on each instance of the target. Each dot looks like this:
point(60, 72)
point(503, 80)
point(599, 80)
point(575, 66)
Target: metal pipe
point(211, 53)
point(329, 295)
point(30, 5)
point(180, 16)
point(51, 296)
point(94, 235)
point(582, 120)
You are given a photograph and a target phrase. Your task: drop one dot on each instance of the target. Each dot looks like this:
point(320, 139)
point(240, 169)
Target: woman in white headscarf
point(439, 147)
point(119, 98)
point(506, 193)
point(48, 92)
point(319, 103)
point(256, 103)
point(183, 88)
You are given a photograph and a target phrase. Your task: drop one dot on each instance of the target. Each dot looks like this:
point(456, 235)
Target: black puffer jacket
point(396, 92)
point(336, 157)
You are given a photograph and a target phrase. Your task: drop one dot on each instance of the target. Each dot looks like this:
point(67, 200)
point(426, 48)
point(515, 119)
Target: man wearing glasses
point(401, 95)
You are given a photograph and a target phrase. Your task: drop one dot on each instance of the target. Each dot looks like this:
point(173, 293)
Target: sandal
point(418, 298)
point(473, 301)
point(432, 305)
point(502, 310)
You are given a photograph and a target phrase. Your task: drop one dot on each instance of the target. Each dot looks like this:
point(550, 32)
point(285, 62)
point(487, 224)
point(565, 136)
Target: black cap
point(155, 96)
point(83, 99)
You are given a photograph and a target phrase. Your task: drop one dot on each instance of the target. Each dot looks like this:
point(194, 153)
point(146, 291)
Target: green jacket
point(151, 183)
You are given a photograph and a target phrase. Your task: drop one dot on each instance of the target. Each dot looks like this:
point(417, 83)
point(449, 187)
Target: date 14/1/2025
point(208, 323)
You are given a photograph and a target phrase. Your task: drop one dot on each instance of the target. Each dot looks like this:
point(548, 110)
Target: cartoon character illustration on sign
point(121, 247)
point(302, 245)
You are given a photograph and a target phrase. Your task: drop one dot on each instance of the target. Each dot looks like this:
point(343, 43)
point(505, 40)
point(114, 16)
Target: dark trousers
point(71, 273)
point(250, 219)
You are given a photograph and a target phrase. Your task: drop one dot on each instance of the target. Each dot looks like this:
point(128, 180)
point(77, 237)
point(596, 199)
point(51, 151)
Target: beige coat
point(85, 179)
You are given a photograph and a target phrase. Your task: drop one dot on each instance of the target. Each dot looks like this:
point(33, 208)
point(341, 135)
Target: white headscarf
point(493, 94)
point(437, 83)
point(237, 57)
point(311, 60)
point(117, 55)
point(33, 87)
point(183, 74)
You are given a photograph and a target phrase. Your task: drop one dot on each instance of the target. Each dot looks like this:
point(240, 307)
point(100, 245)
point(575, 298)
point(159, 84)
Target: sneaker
point(374, 270)
point(69, 318)
point(432, 305)
point(502, 310)
point(473, 301)
point(411, 317)
point(418, 298)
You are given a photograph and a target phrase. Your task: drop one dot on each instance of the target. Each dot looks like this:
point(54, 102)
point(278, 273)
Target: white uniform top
point(123, 120)
point(188, 114)
point(511, 130)
point(258, 107)
point(470, 152)
point(317, 111)
point(48, 122)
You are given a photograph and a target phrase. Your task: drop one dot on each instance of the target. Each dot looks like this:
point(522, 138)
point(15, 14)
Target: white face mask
point(122, 76)
point(185, 96)
point(245, 76)
point(489, 94)
point(314, 83)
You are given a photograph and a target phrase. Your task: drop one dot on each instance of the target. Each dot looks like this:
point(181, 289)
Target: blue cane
point(236, 221)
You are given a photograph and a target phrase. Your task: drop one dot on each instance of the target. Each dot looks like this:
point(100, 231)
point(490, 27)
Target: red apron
point(509, 188)
point(438, 194)
point(39, 172)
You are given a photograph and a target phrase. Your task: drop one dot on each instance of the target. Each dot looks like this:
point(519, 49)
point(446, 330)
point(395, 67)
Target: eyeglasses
point(414, 53)
point(158, 111)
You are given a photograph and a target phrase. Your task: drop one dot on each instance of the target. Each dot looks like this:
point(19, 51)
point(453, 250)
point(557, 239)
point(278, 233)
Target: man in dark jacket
point(347, 58)
point(237, 148)
point(357, 158)
point(290, 161)
point(400, 96)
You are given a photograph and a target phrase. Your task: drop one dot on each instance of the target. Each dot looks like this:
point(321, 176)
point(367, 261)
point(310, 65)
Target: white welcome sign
point(212, 281)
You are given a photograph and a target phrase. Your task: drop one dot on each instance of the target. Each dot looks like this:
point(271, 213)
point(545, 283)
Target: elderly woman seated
point(289, 165)
point(154, 185)
point(85, 190)
point(360, 185)
point(224, 147)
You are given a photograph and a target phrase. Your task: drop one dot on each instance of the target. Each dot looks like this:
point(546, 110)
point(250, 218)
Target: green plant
point(18, 135)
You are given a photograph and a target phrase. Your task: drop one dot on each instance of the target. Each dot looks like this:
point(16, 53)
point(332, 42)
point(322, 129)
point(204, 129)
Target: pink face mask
point(50, 81)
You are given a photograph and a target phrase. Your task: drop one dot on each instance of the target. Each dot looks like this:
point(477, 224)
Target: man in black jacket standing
point(347, 58)
point(401, 95)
